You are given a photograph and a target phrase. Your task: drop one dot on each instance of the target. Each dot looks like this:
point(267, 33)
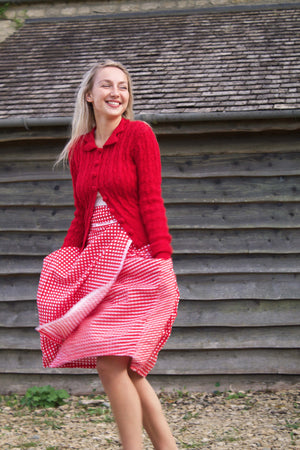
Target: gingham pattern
point(110, 299)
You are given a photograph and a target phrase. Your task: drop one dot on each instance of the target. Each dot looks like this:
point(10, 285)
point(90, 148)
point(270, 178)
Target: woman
point(108, 297)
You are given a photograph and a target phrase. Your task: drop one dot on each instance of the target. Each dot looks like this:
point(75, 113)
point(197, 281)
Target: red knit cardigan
point(127, 173)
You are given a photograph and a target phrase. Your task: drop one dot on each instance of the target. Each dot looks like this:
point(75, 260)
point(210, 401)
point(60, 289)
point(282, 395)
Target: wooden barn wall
point(233, 200)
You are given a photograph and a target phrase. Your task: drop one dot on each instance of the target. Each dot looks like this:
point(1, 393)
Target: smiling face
point(109, 94)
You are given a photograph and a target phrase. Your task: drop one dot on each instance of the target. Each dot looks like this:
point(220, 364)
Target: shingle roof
point(193, 62)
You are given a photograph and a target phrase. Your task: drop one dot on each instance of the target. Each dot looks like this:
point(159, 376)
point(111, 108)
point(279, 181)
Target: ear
point(89, 97)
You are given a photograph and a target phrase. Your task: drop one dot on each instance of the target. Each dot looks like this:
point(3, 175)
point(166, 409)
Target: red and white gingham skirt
point(112, 298)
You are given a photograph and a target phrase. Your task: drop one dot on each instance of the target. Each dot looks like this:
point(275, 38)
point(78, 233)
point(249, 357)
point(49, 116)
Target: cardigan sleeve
point(147, 160)
point(74, 237)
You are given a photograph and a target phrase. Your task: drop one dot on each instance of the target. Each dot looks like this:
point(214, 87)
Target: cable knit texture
point(127, 173)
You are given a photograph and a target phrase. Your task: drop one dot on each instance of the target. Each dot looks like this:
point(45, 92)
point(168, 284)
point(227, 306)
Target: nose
point(114, 91)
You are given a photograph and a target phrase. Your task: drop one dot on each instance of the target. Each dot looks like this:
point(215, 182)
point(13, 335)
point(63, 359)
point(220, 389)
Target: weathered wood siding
point(232, 194)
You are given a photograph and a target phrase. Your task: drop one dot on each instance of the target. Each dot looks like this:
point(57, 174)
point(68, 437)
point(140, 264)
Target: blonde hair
point(83, 117)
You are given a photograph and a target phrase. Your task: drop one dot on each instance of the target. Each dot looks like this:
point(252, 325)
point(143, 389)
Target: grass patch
point(52, 424)
point(193, 444)
point(182, 393)
point(190, 415)
point(293, 426)
point(236, 395)
point(28, 445)
point(11, 401)
point(44, 397)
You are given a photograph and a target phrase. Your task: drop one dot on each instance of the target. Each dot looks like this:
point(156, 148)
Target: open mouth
point(114, 104)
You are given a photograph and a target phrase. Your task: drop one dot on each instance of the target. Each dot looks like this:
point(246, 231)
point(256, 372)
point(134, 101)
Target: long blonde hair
point(83, 117)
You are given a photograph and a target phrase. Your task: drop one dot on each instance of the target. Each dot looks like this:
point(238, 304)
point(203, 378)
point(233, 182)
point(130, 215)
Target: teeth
point(113, 103)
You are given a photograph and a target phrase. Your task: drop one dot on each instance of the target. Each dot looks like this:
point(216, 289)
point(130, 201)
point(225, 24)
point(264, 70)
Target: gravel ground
point(243, 420)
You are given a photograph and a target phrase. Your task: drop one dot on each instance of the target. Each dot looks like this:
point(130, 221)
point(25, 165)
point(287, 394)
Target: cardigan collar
point(89, 138)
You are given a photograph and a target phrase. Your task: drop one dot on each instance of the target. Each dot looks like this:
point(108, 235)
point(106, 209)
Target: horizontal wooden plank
point(191, 287)
point(28, 150)
point(86, 384)
point(212, 313)
point(212, 338)
point(14, 288)
point(171, 362)
point(175, 190)
point(19, 338)
point(231, 142)
point(183, 264)
point(35, 218)
point(48, 193)
point(203, 338)
point(180, 166)
point(32, 170)
point(183, 216)
point(194, 242)
point(32, 243)
point(75, 384)
point(254, 361)
point(20, 264)
point(226, 216)
point(236, 241)
point(229, 190)
point(216, 264)
point(237, 286)
point(19, 314)
point(228, 164)
point(238, 313)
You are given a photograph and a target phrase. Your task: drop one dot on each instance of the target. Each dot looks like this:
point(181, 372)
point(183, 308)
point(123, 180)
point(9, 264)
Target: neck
point(104, 129)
